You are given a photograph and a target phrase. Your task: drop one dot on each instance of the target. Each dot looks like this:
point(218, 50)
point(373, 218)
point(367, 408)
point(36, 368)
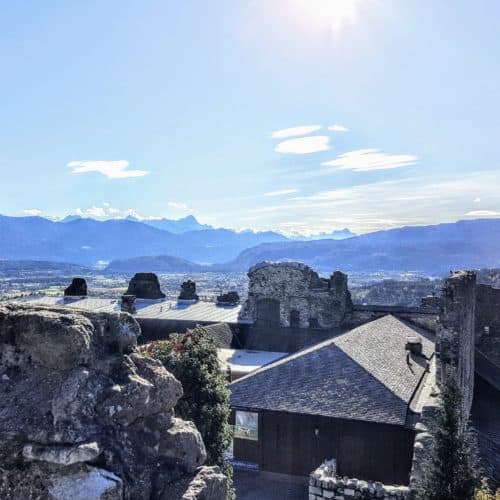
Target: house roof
point(362, 374)
point(154, 309)
point(220, 333)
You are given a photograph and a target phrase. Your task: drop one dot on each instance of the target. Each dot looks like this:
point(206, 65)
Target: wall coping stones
point(323, 483)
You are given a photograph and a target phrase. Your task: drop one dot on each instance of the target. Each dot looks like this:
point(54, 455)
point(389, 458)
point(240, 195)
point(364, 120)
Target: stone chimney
point(145, 286)
point(455, 332)
point(188, 291)
point(128, 304)
point(78, 288)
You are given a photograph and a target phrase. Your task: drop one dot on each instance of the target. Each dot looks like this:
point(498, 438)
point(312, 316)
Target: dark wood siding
point(289, 444)
point(268, 312)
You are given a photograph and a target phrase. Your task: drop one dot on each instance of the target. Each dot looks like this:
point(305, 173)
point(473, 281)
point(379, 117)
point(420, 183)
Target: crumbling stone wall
point(455, 339)
point(324, 484)
point(487, 311)
point(304, 298)
point(83, 415)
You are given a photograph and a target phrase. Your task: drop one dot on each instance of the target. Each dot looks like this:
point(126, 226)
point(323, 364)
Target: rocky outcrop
point(128, 304)
point(145, 286)
point(78, 288)
point(84, 416)
point(188, 291)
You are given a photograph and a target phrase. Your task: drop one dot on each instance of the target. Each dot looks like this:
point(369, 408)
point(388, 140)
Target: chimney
point(414, 345)
point(128, 304)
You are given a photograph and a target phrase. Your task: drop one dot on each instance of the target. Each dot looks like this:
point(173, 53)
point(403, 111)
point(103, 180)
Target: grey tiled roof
point(360, 375)
point(154, 309)
point(220, 333)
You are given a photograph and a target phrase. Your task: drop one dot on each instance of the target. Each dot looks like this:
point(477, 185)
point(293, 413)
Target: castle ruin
point(291, 294)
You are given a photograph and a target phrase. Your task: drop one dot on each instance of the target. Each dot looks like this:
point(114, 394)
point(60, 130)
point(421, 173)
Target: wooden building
point(352, 398)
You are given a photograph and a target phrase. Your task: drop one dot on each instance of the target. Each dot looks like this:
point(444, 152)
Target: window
point(246, 425)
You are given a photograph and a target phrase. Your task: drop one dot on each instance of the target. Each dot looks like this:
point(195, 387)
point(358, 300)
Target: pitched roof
point(220, 333)
point(360, 375)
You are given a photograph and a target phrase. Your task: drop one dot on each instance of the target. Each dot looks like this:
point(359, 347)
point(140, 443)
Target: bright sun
point(333, 13)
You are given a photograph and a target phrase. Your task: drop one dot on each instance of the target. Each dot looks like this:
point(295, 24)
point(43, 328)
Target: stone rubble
point(325, 484)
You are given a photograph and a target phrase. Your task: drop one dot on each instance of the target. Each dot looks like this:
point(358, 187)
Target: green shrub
point(192, 359)
point(449, 471)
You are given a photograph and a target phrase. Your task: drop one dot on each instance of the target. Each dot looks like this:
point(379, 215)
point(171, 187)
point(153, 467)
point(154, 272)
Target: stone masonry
point(303, 298)
point(455, 338)
point(324, 484)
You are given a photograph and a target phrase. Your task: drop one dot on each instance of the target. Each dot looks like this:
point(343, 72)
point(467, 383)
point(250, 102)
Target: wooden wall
point(288, 444)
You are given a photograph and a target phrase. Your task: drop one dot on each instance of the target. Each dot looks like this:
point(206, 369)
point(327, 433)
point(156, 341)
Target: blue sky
point(165, 108)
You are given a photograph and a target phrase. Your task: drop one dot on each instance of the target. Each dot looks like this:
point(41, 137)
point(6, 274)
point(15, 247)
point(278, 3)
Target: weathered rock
point(128, 304)
point(208, 483)
point(78, 288)
point(188, 291)
point(182, 443)
point(91, 484)
point(145, 286)
point(82, 415)
point(62, 455)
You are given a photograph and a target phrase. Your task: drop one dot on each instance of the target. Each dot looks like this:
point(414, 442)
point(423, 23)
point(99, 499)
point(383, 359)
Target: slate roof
point(220, 333)
point(362, 374)
point(153, 309)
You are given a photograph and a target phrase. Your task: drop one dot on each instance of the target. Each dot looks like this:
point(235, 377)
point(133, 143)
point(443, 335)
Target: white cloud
point(477, 200)
point(107, 212)
point(294, 131)
point(116, 169)
point(364, 160)
point(32, 212)
point(336, 127)
point(304, 145)
point(281, 192)
point(482, 213)
point(379, 205)
point(178, 205)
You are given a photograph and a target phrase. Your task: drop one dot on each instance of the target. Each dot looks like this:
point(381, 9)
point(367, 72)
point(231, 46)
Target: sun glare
point(332, 13)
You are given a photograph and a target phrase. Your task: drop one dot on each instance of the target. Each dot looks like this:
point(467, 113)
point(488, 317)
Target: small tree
point(192, 359)
point(449, 471)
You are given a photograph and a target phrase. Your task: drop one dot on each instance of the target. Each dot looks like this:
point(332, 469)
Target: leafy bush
point(192, 359)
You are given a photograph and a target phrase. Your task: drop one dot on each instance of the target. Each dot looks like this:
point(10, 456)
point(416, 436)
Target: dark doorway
point(294, 318)
point(268, 312)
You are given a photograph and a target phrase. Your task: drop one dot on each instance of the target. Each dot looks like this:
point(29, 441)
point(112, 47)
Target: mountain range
point(433, 249)
point(133, 245)
point(87, 241)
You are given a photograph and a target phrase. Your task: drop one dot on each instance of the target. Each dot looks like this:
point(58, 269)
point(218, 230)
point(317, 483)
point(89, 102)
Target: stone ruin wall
point(455, 340)
point(84, 415)
point(421, 319)
point(320, 302)
point(487, 312)
point(324, 484)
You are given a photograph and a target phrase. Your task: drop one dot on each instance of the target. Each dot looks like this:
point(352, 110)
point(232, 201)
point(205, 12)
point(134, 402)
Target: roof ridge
point(315, 347)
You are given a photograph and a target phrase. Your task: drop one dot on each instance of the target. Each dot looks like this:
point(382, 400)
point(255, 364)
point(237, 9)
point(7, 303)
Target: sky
point(302, 116)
